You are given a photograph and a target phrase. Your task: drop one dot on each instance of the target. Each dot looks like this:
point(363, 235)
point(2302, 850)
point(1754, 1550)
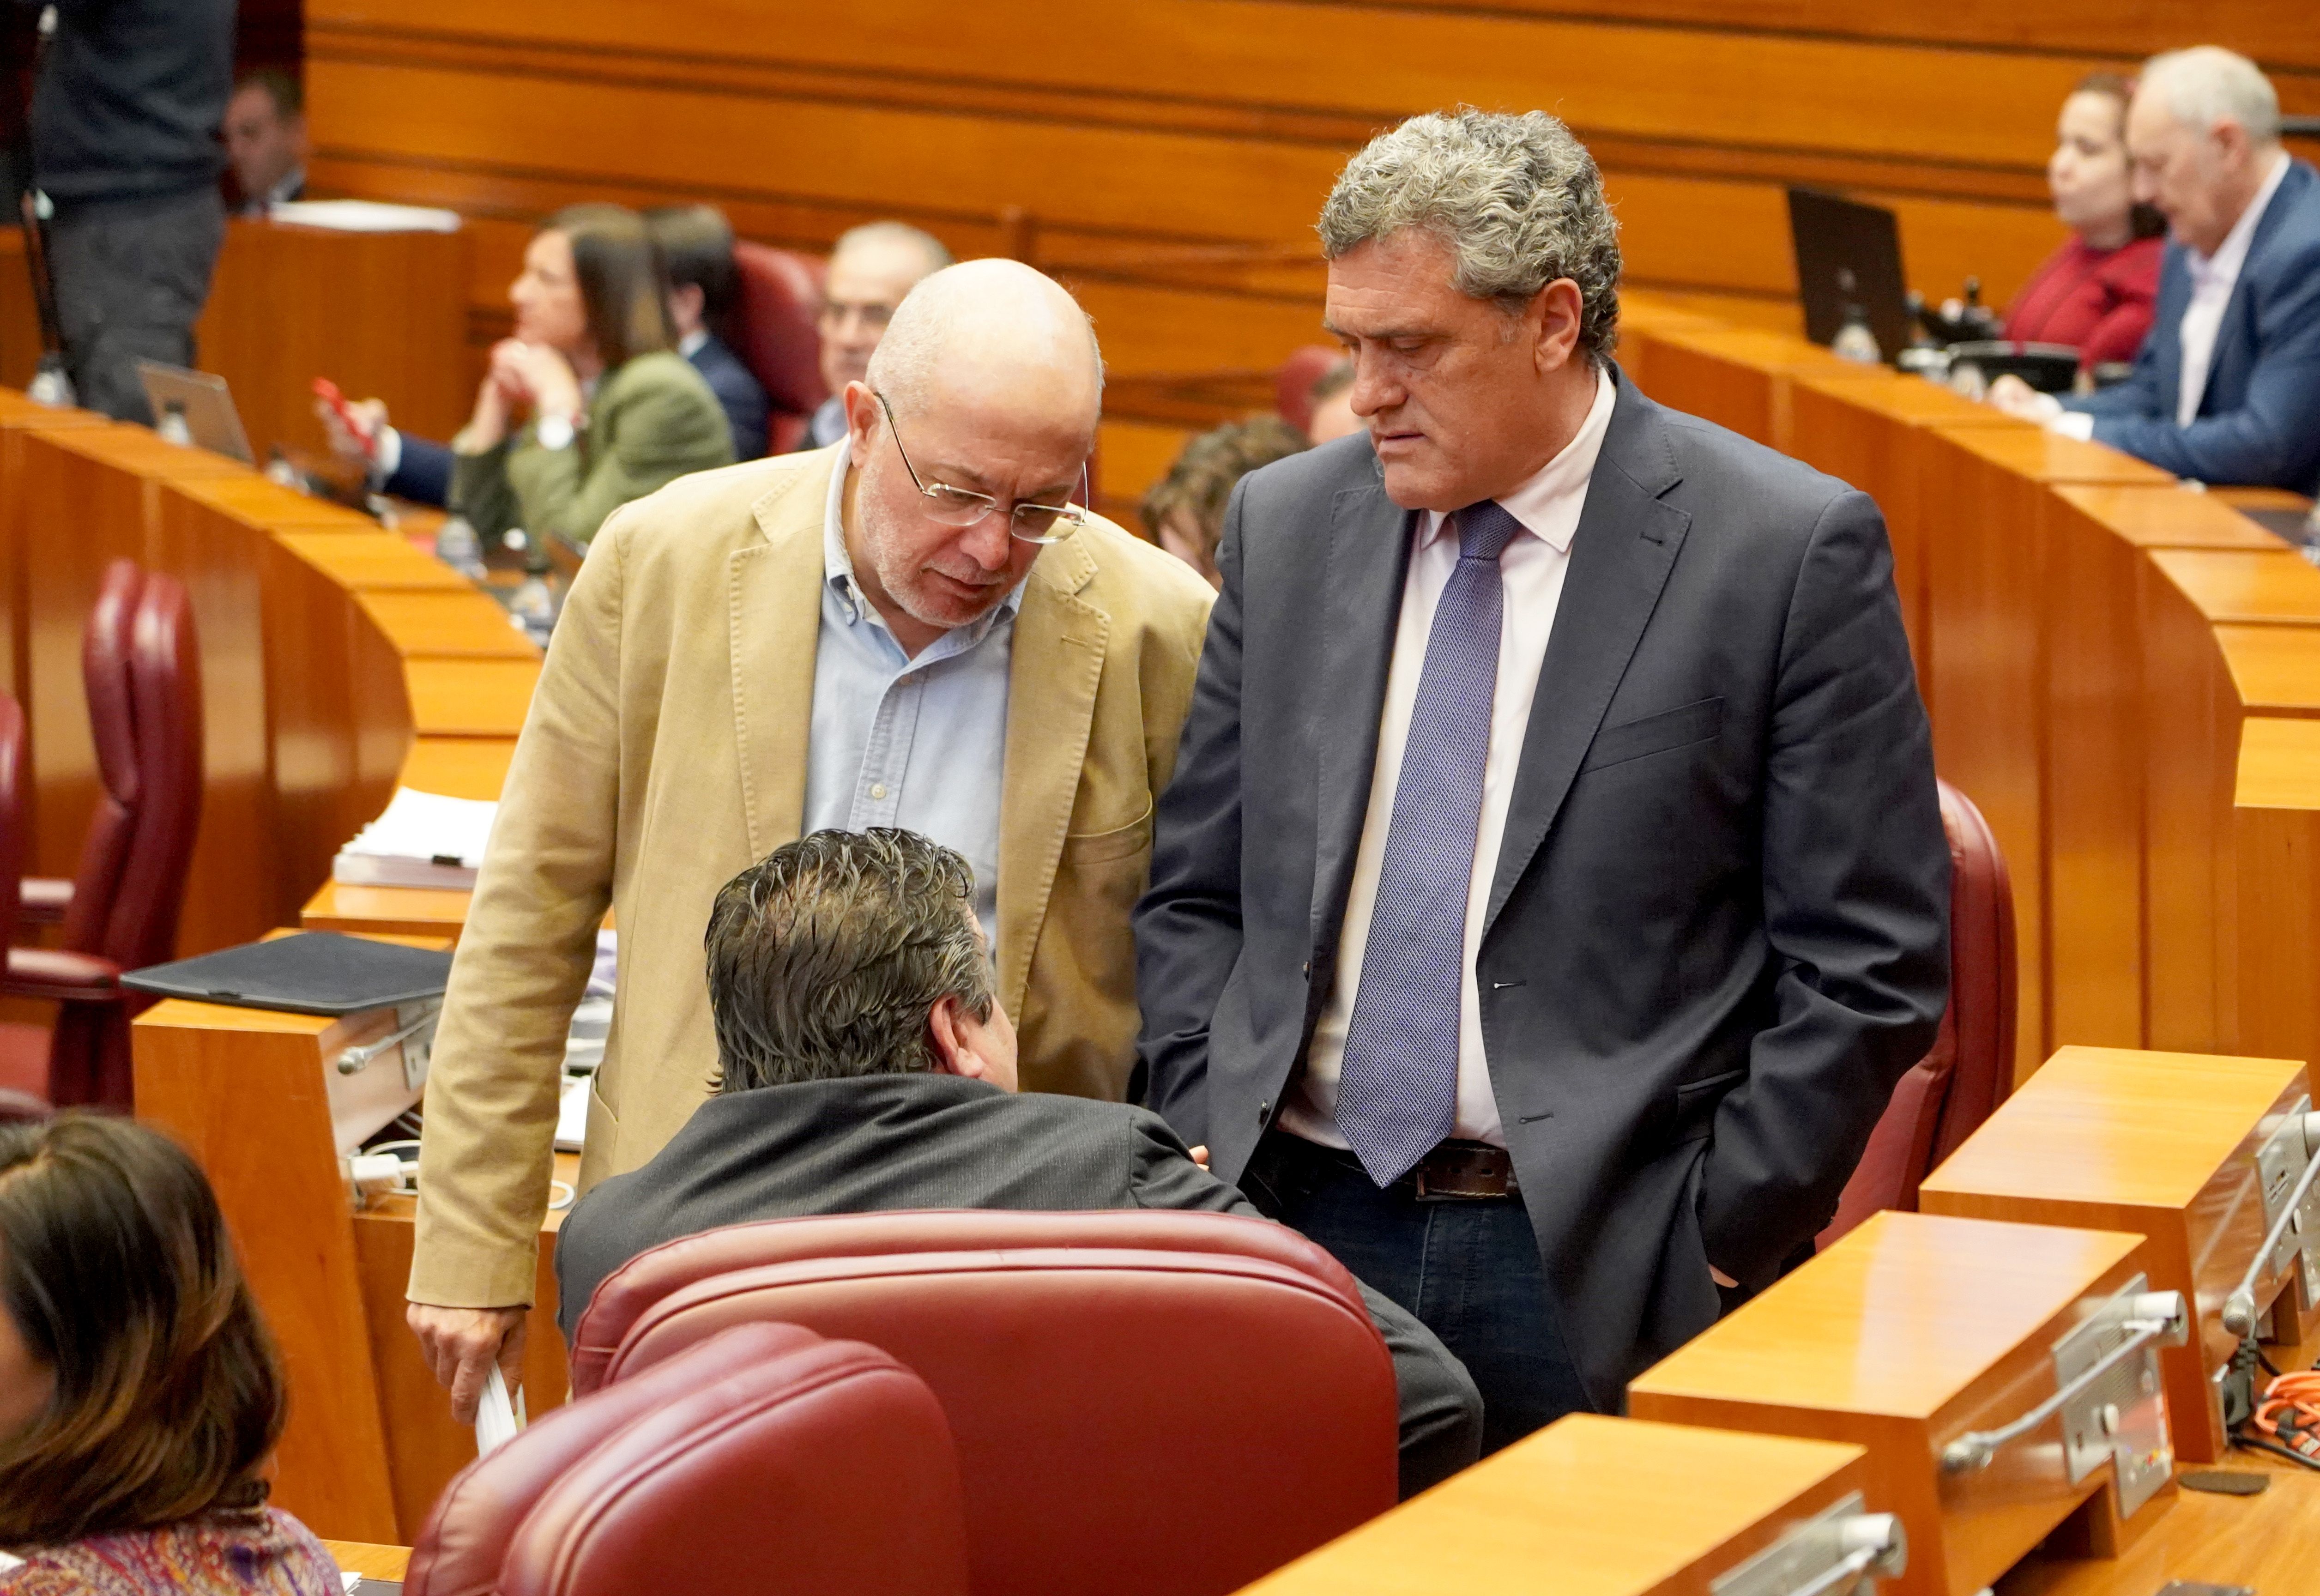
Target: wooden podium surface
point(1583, 1508)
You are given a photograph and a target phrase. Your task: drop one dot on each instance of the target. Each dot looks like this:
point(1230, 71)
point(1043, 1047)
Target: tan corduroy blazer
point(665, 751)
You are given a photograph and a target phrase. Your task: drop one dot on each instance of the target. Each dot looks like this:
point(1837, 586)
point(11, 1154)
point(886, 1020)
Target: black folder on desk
point(308, 973)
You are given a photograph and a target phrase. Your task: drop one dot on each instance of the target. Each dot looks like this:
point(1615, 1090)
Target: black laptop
point(1849, 254)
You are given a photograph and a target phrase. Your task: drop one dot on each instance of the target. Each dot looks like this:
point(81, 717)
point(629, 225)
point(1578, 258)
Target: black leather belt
point(1459, 1171)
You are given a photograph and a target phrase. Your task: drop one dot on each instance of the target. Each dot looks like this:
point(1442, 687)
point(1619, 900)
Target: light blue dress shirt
point(896, 742)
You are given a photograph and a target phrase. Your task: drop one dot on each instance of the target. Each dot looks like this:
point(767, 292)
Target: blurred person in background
point(870, 271)
point(2096, 293)
point(2227, 385)
point(1333, 405)
point(141, 1396)
point(124, 127)
point(613, 411)
point(696, 253)
point(1184, 511)
point(266, 141)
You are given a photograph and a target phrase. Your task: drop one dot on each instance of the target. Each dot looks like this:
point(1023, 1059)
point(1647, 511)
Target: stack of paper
point(423, 839)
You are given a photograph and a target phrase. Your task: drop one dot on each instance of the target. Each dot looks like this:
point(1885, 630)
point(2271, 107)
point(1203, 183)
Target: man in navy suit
point(2227, 387)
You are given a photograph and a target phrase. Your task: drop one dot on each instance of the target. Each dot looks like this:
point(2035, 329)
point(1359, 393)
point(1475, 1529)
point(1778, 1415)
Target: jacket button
point(1264, 1114)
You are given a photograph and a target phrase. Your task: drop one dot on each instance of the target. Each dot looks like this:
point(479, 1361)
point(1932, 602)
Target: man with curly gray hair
point(1552, 886)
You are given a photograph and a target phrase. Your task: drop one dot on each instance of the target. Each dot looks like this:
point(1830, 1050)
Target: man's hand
point(2018, 398)
point(461, 1344)
point(370, 414)
point(1200, 1157)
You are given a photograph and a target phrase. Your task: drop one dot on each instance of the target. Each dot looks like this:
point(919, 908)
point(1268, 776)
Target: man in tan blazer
point(901, 628)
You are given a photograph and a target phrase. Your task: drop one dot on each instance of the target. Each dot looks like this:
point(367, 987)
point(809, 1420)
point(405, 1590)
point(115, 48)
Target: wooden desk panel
point(19, 419)
point(2042, 456)
point(1582, 1508)
point(2276, 669)
point(447, 626)
point(2276, 902)
point(381, 563)
point(401, 911)
point(371, 1561)
point(470, 697)
point(2260, 587)
point(2152, 516)
point(459, 766)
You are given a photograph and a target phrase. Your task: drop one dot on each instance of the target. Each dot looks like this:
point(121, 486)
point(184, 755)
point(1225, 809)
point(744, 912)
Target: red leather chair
point(774, 326)
point(1955, 1087)
point(1292, 385)
point(141, 668)
point(765, 1458)
point(1143, 1402)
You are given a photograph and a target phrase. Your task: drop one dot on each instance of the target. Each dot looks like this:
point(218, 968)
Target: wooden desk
point(460, 766)
point(447, 626)
point(2275, 668)
point(378, 563)
point(2262, 587)
point(470, 697)
point(400, 910)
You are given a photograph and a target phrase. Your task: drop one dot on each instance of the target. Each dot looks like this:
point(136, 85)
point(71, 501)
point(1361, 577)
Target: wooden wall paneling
point(380, 314)
point(233, 889)
point(2276, 974)
point(88, 499)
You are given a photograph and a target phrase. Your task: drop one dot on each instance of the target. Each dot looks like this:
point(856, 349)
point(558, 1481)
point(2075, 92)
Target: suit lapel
point(1054, 665)
point(1621, 557)
point(774, 621)
point(1369, 562)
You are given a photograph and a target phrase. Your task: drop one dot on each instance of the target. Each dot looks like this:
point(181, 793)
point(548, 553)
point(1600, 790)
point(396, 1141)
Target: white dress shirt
point(1531, 569)
point(2212, 278)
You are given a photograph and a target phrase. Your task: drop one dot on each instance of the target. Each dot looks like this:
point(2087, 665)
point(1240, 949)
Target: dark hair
point(620, 278)
point(2144, 220)
point(696, 252)
point(289, 99)
point(1201, 481)
point(827, 957)
point(116, 1269)
point(1332, 382)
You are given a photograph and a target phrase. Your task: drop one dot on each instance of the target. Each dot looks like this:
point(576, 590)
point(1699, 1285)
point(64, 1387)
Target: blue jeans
point(1468, 1270)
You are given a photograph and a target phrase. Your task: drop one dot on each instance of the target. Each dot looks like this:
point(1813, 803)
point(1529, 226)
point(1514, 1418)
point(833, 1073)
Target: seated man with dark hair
point(696, 252)
point(864, 1063)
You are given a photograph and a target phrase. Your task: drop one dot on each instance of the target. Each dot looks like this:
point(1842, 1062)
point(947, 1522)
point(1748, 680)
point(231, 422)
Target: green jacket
point(651, 421)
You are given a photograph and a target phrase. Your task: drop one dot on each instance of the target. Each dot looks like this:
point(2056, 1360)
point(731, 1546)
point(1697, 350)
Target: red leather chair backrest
point(1071, 1353)
point(777, 303)
point(164, 675)
point(466, 1537)
point(818, 1470)
point(106, 644)
point(1955, 1087)
point(1292, 385)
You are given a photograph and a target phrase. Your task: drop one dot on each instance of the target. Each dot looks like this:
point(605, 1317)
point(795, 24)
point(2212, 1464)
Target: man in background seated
point(266, 141)
point(696, 251)
point(870, 271)
point(864, 1063)
point(2227, 387)
point(1333, 406)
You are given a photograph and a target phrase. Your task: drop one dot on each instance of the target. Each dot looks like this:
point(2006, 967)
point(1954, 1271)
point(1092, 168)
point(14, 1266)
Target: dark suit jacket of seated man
point(2258, 421)
point(907, 1100)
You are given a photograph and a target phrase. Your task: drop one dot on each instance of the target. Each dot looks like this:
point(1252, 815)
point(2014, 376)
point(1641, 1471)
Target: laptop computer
point(1849, 254)
point(194, 407)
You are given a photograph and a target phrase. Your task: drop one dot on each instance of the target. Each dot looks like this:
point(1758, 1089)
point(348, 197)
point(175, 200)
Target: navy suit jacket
point(423, 474)
point(1718, 931)
point(2259, 420)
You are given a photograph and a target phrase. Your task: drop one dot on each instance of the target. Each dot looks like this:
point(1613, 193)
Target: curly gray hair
point(1516, 199)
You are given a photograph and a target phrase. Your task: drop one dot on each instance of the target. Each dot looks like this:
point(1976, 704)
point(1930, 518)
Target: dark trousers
point(131, 277)
point(1468, 1270)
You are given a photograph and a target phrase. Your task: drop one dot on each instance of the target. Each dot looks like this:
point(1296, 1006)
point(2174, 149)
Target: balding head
point(994, 381)
point(993, 335)
point(2202, 134)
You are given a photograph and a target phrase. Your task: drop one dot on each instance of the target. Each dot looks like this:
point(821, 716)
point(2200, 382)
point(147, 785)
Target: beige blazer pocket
point(1094, 848)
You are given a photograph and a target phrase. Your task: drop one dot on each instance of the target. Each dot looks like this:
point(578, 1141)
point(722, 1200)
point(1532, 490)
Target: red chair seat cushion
point(24, 1060)
point(57, 973)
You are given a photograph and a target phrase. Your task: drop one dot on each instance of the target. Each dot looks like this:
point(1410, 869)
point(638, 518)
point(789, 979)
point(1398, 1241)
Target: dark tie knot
point(1484, 530)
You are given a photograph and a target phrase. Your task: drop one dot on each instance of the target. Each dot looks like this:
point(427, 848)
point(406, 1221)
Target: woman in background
point(2096, 293)
point(140, 1394)
point(615, 412)
point(1184, 511)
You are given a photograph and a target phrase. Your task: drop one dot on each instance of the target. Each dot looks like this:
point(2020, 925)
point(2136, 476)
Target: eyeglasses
point(963, 507)
point(873, 315)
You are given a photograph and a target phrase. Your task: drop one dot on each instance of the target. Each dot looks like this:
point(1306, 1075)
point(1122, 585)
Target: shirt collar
point(1532, 503)
point(838, 564)
point(692, 342)
point(291, 182)
point(2231, 253)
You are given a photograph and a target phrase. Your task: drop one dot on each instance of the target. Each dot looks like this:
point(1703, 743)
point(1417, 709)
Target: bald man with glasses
point(914, 628)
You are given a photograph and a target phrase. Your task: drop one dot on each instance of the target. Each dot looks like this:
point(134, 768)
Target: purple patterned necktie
point(1398, 1088)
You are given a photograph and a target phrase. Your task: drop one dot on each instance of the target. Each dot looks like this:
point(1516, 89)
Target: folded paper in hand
point(423, 839)
point(497, 1419)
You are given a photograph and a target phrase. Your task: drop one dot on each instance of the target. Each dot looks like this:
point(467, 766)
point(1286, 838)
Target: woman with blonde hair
point(139, 1393)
